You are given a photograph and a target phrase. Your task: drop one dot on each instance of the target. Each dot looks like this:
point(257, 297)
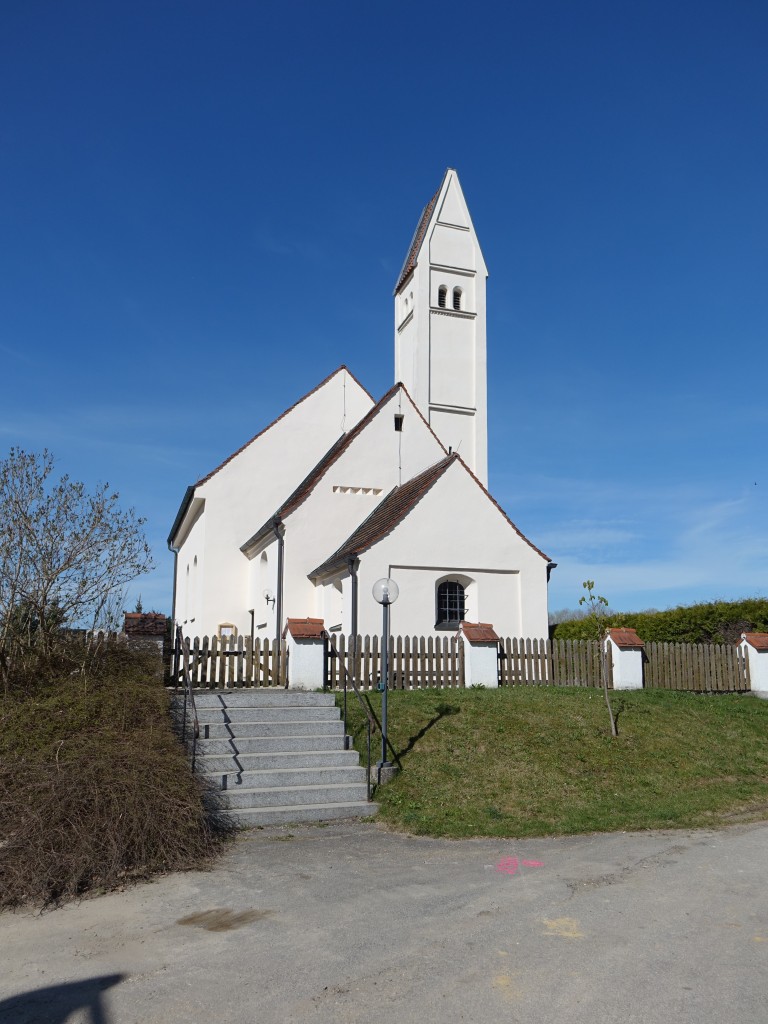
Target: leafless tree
point(65, 553)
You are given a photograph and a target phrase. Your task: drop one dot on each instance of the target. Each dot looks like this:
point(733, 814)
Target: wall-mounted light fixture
point(269, 597)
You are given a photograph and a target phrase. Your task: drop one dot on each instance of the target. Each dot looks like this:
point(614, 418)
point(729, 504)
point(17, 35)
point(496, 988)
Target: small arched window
point(457, 298)
point(450, 603)
point(442, 296)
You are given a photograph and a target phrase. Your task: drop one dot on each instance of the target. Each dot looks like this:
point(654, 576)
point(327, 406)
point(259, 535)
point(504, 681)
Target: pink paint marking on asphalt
point(509, 865)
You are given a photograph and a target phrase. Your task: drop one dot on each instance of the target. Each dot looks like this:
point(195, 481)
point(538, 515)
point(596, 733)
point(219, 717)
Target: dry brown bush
point(95, 788)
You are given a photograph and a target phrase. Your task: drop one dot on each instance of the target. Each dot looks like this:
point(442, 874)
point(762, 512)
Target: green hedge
point(714, 622)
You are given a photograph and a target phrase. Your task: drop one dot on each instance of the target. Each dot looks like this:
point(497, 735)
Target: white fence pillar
point(755, 647)
point(305, 644)
point(627, 656)
point(481, 654)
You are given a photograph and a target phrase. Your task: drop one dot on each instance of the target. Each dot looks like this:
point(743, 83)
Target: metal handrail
point(372, 721)
point(370, 718)
point(182, 647)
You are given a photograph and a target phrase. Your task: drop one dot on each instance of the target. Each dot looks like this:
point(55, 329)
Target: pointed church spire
point(440, 325)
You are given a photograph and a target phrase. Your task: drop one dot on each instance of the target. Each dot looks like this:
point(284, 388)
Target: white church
point(342, 490)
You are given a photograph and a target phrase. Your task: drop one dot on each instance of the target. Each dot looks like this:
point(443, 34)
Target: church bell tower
point(440, 353)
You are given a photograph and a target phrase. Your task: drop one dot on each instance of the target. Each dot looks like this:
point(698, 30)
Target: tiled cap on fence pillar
point(305, 642)
point(627, 654)
point(755, 648)
point(481, 666)
point(145, 629)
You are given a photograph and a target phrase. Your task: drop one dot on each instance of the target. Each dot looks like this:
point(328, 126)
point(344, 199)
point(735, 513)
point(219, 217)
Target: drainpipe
point(354, 565)
point(279, 530)
point(175, 552)
point(550, 567)
point(174, 641)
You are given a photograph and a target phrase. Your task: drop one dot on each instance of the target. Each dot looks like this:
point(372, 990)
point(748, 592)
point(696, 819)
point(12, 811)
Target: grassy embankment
point(95, 788)
point(534, 762)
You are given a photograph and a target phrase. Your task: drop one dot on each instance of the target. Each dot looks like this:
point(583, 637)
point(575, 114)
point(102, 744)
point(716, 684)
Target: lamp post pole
point(385, 591)
point(385, 684)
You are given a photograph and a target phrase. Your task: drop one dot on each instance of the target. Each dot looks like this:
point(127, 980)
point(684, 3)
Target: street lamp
point(385, 592)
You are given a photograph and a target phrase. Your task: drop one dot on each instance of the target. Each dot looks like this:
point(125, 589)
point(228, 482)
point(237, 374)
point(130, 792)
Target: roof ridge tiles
point(418, 236)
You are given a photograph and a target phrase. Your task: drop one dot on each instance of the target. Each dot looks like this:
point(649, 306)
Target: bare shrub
point(95, 789)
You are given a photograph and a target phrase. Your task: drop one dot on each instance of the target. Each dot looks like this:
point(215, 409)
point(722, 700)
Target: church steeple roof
point(418, 237)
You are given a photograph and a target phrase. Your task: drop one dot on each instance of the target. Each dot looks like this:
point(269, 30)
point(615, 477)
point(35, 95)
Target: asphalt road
point(349, 923)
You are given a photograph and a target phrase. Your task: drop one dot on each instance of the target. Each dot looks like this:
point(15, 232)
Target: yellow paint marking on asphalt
point(760, 938)
point(563, 927)
point(506, 986)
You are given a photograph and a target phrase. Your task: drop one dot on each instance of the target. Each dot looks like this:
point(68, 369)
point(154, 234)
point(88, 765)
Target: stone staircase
point(279, 756)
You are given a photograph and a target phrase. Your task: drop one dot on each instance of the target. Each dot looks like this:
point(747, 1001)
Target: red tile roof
point(479, 632)
point(625, 637)
point(304, 629)
point(757, 640)
point(394, 508)
point(144, 624)
point(418, 238)
point(385, 517)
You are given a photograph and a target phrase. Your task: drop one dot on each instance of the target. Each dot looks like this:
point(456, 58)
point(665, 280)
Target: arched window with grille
point(457, 298)
point(442, 296)
point(450, 603)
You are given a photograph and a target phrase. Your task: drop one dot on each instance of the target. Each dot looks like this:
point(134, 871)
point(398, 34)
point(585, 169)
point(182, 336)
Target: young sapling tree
point(595, 606)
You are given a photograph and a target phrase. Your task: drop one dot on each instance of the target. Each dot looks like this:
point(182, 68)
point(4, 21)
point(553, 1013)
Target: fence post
point(481, 664)
point(626, 650)
point(754, 648)
point(305, 649)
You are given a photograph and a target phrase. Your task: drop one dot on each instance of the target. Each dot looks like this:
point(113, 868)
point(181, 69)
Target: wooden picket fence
point(232, 662)
point(551, 663)
point(706, 668)
point(417, 662)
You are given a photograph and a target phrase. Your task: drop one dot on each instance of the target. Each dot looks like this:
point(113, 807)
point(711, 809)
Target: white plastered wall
point(456, 530)
point(378, 460)
point(190, 570)
point(758, 668)
point(627, 666)
point(245, 492)
point(440, 354)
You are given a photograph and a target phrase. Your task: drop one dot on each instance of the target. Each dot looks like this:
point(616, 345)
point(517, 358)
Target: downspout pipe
point(353, 564)
point(279, 531)
point(174, 660)
point(175, 552)
point(550, 567)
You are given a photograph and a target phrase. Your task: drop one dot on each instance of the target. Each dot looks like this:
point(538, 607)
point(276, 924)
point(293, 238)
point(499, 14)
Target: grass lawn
point(534, 762)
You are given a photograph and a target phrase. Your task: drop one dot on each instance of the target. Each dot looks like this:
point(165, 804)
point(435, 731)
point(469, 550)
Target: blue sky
point(204, 207)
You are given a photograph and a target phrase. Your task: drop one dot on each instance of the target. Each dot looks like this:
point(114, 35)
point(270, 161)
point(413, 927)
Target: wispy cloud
point(649, 544)
point(20, 357)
